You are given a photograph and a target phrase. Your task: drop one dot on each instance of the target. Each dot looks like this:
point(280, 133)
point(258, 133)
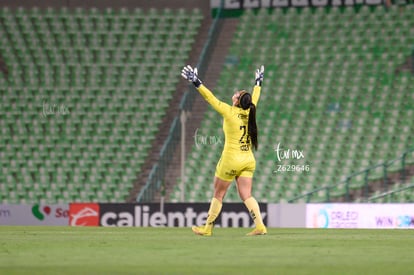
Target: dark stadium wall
point(203, 4)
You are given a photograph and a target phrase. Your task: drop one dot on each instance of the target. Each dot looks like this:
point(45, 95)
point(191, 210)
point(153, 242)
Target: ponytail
point(253, 126)
point(245, 102)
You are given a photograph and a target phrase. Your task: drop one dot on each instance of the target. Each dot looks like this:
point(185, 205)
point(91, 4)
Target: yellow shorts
point(235, 165)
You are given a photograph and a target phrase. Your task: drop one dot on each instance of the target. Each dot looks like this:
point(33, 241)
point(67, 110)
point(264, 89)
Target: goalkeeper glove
point(259, 76)
point(191, 75)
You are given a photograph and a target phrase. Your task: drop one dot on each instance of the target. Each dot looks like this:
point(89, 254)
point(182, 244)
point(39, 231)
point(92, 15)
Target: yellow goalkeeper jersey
point(235, 121)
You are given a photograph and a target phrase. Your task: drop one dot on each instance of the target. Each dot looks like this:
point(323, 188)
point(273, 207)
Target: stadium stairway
point(197, 114)
point(172, 111)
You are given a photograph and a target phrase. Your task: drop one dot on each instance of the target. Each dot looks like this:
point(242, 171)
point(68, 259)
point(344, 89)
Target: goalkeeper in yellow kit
point(237, 160)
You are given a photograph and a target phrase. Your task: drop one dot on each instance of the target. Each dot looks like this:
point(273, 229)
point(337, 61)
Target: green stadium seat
point(332, 98)
point(83, 60)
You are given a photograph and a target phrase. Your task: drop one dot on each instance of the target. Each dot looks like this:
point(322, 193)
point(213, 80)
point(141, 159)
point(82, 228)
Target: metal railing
point(360, 180)
point(391, 194)
point(157, 174)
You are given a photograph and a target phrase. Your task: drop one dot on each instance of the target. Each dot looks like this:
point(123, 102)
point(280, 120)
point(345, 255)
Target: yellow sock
point(213, 212)
point(254, 211)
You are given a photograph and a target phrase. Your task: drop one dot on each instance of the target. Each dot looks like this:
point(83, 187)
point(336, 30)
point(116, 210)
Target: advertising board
point(381, 216)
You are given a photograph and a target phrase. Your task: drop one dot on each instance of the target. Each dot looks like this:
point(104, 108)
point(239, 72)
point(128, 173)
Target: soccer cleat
point(201, 230)
point(258, 231)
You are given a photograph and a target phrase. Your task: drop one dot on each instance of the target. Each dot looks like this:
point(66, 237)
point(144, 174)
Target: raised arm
point(192, 76)
point(257, 85)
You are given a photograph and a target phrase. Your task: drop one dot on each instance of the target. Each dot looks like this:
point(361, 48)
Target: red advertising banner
point(84, 214)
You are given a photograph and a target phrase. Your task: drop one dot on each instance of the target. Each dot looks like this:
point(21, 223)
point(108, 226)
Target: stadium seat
point(81, 109)
point(340, 102)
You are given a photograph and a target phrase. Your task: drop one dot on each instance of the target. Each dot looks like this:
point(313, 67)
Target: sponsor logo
point(405, 221)
point(329, 218)
point(231, 173)
point(402, 221)
point(42, 212)
point(145, 216)
point(384, 221)
point(321, 219)
point(84, 214)
point(242, 116)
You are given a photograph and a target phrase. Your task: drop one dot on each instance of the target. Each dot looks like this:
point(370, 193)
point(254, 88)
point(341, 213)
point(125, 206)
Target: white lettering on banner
point(280, 3)
point(248, 4)
point(143, 217)
point(252, 3)
point(319, 3)
point(201, 218)
point(177, 216)
point(158, 219)
point(374, 2)
point(138, 214)
point(235, 217)
point(300, 3)
point(107, 217)
point(126, 219)
point(215, 3)
point(231, 4)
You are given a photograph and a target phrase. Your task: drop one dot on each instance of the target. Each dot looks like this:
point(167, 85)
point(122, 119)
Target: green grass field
point(99, 250)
